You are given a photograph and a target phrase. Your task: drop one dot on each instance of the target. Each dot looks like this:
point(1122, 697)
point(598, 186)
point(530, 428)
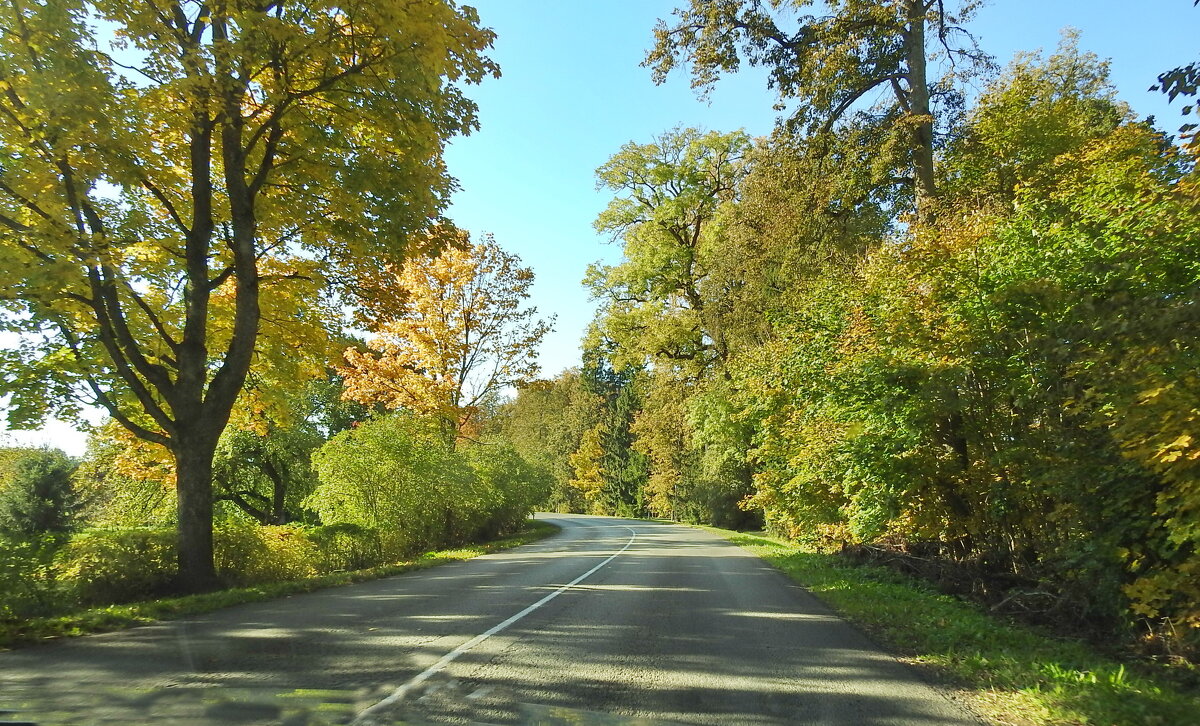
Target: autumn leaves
point(463, 336)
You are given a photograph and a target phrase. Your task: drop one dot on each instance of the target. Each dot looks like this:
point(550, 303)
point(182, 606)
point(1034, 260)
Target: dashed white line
point(365, 716)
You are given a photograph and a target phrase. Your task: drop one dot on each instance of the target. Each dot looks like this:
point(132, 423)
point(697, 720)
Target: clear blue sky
point(572, 92)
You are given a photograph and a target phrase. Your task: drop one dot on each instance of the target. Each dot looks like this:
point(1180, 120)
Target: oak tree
point(832, 64)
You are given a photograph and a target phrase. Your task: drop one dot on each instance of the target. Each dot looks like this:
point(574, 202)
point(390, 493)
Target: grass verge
point(1013, 675)
point(116, 617)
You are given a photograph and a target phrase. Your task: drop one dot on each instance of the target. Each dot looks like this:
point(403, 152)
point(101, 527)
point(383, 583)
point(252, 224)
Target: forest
point(921, 323)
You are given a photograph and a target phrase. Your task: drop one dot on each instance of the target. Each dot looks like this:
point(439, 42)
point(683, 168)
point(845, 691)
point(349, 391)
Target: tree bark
point(919, 113)
point(193, 459)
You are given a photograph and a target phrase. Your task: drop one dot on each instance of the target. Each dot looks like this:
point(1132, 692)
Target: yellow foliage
point(461, 337)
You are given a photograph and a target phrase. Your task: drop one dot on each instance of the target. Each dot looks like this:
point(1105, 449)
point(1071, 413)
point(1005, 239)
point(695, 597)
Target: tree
point(546, 423)
point(1184, 81)
point(623, 470)
point(462, 337)
point(152, 210)
point(668, 194)
point(262, 464)
point(40, 498)
point(588, 467)
point(830, 64)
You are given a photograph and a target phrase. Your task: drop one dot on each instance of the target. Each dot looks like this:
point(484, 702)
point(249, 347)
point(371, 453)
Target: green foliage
point(514, 486)
point(624, 469)
point(113, 566)
point(1041, 108)
point(346, 546)
point(115, 497)
point(250, 554)
point(9, 456)
point(266, 476)
point(668, 193)
point(998, 381)
point(829, 58)
point(397, 475)
point(28, 587)
point(40, 498)
point(546, 424)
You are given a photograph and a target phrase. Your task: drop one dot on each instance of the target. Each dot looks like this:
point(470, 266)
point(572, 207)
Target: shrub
point(39, 498)
point(251, 554)
point(102, 566)
point(514, 486)
point(347, 546)
point(27, 584)
point(397, 474)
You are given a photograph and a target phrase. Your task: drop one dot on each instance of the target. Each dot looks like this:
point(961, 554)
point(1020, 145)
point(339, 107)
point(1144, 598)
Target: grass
point(117, 617)
point(1012, 675)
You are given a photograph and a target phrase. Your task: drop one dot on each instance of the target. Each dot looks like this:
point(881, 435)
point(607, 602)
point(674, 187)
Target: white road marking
point(365, 716)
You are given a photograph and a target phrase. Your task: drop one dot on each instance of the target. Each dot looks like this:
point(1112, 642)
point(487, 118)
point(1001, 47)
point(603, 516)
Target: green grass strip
point(116, 617)
point(1012, 674)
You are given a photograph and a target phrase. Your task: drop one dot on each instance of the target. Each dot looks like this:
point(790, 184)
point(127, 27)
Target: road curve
point(611, 621)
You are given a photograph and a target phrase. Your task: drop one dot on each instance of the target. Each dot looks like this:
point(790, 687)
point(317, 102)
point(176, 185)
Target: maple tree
point(154, 202)
point(461, 338)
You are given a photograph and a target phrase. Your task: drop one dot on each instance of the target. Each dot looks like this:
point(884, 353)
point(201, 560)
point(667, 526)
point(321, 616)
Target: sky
point(572, 92)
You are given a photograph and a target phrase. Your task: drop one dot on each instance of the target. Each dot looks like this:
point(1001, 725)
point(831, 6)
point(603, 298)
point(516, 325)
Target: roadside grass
point(117, 617)
point(1012, 674)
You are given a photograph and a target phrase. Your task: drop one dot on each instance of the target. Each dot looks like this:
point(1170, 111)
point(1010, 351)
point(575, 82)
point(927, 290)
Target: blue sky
point(572, 92)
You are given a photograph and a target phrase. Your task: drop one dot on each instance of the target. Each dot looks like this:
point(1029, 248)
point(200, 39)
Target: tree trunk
point(279, 513)
point(920, 115)
point(193, 483)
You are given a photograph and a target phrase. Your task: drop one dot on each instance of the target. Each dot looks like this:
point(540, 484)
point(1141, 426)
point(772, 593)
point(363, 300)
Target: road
point(610, 621)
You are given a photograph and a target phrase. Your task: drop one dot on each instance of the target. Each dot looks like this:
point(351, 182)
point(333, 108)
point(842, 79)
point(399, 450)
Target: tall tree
point(831, 64)
point(463, 336)
point(152, 202)
point(667, 196)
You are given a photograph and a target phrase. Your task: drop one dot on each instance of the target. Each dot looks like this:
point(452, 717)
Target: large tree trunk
point(920, 115)
point(193, 476)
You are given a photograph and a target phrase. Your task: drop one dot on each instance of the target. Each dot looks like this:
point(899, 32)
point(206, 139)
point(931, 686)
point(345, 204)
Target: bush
point(40, 497)
point(103, 566)
point(110, 566)
point(27, 584)
point(514, 486)
point(347, 546)
point(397, 474)
point(251, 554)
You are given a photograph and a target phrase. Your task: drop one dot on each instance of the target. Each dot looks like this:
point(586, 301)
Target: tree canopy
point(166, 210)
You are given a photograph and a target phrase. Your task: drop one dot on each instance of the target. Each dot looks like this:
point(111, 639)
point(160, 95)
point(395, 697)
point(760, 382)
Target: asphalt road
point(609, 622)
